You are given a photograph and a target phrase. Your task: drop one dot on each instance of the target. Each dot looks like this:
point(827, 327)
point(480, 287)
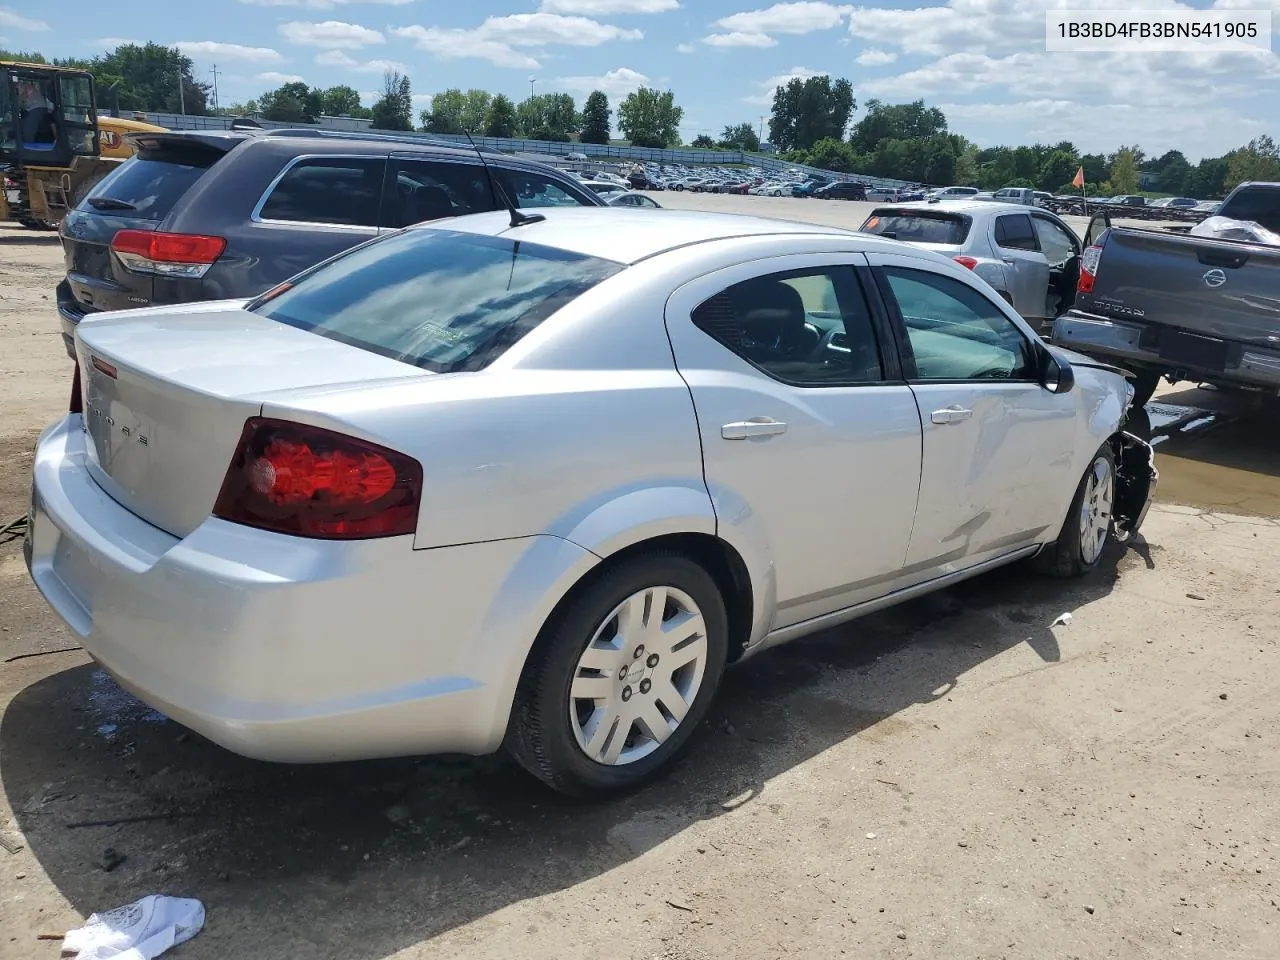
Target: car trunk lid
point(166, 394)
point(138, 195)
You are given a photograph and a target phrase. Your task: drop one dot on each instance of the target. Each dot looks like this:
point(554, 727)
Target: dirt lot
point(957, 778)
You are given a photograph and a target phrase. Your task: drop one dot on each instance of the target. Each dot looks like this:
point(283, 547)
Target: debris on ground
point(141, 930)
point(1063, 620)
point(110, 859)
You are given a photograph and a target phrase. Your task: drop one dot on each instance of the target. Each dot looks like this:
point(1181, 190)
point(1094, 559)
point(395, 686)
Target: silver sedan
point(1028, 255)
point(492, 481)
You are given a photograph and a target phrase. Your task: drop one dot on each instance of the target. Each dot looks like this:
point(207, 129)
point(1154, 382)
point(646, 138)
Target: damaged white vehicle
point(536, 481)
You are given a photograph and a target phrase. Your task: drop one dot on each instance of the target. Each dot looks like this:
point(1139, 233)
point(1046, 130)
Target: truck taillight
point(186, 255)
point(307, 481)
point(1089, 261)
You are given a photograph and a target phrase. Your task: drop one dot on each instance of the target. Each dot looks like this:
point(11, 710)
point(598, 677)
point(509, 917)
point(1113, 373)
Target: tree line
point(811, 122)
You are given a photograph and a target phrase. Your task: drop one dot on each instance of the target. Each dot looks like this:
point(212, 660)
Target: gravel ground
point(955, 778)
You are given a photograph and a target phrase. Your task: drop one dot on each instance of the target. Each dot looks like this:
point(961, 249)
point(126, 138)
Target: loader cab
point(47, 115)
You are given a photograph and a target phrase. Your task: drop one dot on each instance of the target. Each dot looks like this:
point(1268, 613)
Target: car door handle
point(951, 414)
point(755, 427)
point(1009, 260)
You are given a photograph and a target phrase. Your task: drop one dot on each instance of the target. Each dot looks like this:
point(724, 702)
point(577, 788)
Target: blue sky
point(982, 61)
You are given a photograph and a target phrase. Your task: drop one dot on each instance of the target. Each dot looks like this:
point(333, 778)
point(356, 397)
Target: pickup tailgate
point(1220, 288)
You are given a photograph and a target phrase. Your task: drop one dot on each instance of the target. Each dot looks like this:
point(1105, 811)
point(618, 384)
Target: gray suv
point(200, 215)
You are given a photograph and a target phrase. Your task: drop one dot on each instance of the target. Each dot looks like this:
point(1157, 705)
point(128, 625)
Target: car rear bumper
point(1144, 345)
point(287, 649)
point(69, 317)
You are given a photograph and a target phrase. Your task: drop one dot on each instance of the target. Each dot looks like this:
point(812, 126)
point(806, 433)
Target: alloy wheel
point(1095, 510)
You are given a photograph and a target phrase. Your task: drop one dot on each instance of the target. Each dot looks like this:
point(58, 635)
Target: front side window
point(955, 332)
point(344, 191)
point(428, 190)
point(440, 300)
point(808, 328)
point(529, 189)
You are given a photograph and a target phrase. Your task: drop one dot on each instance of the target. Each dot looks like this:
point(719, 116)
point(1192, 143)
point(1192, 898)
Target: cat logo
point(111, 139)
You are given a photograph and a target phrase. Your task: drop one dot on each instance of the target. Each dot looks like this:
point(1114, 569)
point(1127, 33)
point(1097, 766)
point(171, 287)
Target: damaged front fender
point(1136, 478)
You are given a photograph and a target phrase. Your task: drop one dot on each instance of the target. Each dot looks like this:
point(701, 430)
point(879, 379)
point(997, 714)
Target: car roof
point(628, 236)
point(969, 207)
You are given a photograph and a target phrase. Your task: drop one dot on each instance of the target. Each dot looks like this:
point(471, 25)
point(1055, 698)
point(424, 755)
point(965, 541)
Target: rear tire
point(1089, 525)
point(597, 710)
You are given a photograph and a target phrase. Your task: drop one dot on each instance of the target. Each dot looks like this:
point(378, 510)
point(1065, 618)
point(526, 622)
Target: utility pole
point(182, 96)
point(760, 135)
point(215, 88)
point(532, 81)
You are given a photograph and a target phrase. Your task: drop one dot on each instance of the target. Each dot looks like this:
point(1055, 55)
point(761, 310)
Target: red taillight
point(967, 262)
point(1089, 261)
point(311, 482)
point(76, 404)
point(169, 254)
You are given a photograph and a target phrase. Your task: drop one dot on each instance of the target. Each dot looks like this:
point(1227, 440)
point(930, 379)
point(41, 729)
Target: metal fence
point(593, 151)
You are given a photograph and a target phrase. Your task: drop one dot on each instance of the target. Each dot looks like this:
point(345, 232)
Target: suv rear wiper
point(110, 203)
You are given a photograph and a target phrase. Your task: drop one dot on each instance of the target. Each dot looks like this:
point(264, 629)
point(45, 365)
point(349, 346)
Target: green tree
point(940, 159)
point(832, 154)
point(532, 114)
point(900, 121)
point(703, 142)
point(596, 118)
point(475, 108)
point(446, 113)
point(500, 120)
point(562, 117)
point(1207, 180)
point(292, 103)
point(1259, 159)
point(341, 101)
point(806, 111)
point(650, 119)
point(1096, 167)
point(1124, 170)
point(1173, 170)
point(1058, 168)
point(22, 56)
point(394, 110)
point(146, 77)
point(740, 136)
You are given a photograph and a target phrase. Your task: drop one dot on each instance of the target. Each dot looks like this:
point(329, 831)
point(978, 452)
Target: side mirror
point(1056, 374)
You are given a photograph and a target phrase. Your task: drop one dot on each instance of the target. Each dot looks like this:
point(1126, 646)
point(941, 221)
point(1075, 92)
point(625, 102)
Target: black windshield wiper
point(110, 203)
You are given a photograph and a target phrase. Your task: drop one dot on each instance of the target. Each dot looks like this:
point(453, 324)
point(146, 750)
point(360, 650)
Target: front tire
point(621, 677)
point(1090, 524)
point(1144, 385)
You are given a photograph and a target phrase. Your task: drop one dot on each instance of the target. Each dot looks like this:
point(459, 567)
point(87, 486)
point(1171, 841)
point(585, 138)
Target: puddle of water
point(1228, 462)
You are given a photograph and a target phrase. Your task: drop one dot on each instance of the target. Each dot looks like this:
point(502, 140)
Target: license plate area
point(1193, 350)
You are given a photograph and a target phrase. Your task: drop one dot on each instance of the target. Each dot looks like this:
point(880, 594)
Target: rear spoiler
point(220, 141)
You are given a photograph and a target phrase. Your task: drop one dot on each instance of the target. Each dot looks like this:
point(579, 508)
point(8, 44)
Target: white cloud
point(497, 38)
point(616, 83)
point(422, 100)
point(758, 40)
point(765, 97)
point(875, 58)
point(686, 48)
point(110, 43)
point(332, 34)
point(17, 22)
point(344, 61)
point(228, 51)
point(604, 8)
point(324, 4)
point(794, 18)
point(272, 77)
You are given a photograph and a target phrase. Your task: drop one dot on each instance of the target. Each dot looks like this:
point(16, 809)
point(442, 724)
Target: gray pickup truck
point(1166, 304)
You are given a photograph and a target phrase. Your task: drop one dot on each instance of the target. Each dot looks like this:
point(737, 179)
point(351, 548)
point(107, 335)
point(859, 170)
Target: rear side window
point(437, 299)
point(428, 190)
point(529, 189)
point(339, 190)
point(148, 186)
point(919, 227)
point(1015, 232)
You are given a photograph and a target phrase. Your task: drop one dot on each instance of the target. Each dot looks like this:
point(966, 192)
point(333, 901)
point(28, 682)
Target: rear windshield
point(438, 299)
point(919, 227)
point(1259, 204)
point(147, 188)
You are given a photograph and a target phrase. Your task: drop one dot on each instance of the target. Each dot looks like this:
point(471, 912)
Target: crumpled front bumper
point(1136, 480)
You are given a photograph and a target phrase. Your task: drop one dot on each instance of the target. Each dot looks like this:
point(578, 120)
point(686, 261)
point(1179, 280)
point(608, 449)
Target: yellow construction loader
point(53, 145)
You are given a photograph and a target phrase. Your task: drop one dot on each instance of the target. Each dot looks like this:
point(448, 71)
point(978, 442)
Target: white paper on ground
point(138, 931)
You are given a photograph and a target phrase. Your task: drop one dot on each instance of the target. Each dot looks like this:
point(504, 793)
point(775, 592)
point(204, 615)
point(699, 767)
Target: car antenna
point(518, 219)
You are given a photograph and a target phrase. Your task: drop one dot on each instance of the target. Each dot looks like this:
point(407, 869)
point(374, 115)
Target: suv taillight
point(310, 482)
point(967, 262)
point(1089, 261)
point(76, 404)
point(185, 255)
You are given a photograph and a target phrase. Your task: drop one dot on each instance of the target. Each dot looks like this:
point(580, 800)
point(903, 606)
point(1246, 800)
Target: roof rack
point(359, 135)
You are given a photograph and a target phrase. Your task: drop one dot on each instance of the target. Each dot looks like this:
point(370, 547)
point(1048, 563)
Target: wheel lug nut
point(644, 686)
point(626, 693)
point(653, 660)
point(639, 652)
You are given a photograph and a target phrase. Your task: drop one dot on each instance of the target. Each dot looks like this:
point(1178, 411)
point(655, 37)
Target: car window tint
point(955, 332)
point(438, 299)
point(333, 190)
point(535, 190)
point(425, 190)
point(809, 328)
point(949, 229)
point(148, 186)
point(1057, 244)
point(1014, 232)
